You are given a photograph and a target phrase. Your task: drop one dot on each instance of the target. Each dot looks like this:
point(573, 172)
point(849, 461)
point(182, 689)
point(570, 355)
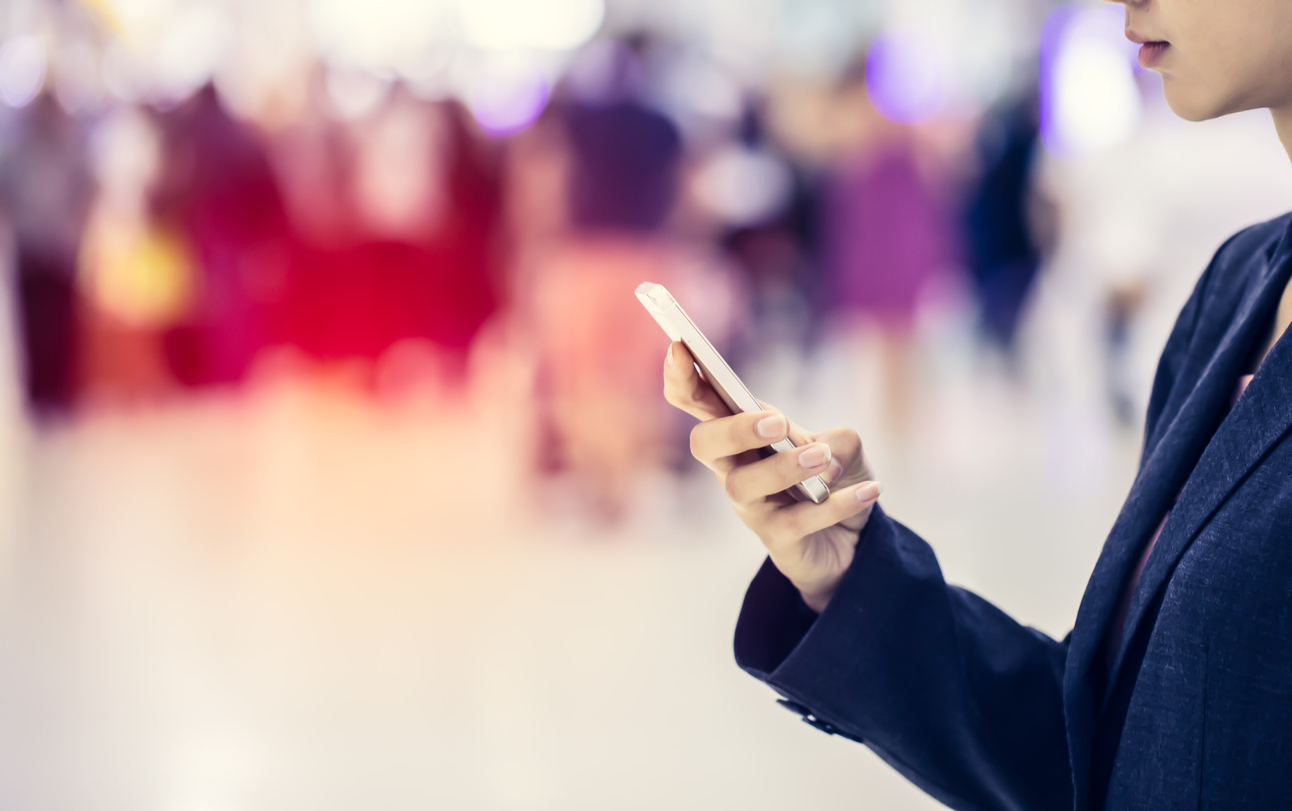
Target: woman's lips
point(1150, 53)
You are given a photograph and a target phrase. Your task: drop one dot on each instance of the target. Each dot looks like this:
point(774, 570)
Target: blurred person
point(624, 154)
point(217, 191)
point(136, 277)
point(45, 188)
point(1003, 251)
point(313, 158)
point(886, 236)
point(597, 354)
point(14, 493)
point(467, 286)
point(765, 203)
point(1174, 688)
point(1123, 304)
point(399, 214)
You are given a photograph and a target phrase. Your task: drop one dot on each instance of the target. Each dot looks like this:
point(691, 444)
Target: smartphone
point(679, 326)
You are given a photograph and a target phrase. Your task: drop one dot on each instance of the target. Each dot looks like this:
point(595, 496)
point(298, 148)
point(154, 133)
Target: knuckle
point(856, 446)
point(697, 441)
point(779, 538)
point(845, 440)
point(670, 392)
point(845, 444)
point(791, 526)
point(789, 467)
point(732, 485)
point(742, 430)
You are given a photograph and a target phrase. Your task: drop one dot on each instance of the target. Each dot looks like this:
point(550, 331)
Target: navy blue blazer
point(1194, 711)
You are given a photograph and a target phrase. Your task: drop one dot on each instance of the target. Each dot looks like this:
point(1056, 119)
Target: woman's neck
point(1283, 124)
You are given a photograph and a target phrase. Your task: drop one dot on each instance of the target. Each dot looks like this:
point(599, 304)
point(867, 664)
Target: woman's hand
point(811, 544)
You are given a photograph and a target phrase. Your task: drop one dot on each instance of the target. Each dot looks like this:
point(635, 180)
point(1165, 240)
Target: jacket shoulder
point(1210, 308)
point(1254, 240)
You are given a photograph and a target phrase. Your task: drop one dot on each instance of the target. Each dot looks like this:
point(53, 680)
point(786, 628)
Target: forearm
point(959, 697)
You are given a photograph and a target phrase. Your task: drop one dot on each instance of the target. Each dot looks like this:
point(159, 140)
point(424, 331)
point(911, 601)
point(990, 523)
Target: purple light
point(904, 77)
point(1052, 33)
point(506, 102)
point(1089, 100)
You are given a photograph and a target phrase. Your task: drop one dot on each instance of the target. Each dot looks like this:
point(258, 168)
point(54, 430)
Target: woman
point(1174, 688)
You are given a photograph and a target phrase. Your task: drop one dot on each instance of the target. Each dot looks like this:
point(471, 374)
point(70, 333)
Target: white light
point(695, 87)
point(140, 20)
point(355, 94)
point(76, 83)
point(508, 96)
point(557, 25)
point(743, 187)
point(22, 70)
point(1096, 101)
point(905, 77)
point(377, 34)
point(120, 72)
point(192, 50)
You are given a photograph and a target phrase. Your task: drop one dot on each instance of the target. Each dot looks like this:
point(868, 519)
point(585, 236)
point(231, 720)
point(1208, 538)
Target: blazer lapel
point(1214, 364)
point(1260, 418)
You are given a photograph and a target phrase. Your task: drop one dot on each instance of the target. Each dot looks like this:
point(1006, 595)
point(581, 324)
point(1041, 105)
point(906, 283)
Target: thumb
point(848, 465)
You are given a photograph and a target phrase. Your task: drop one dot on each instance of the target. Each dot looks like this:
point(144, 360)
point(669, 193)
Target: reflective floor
point(296, 598)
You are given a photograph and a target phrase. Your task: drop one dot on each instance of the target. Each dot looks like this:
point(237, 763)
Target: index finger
point(685, 389)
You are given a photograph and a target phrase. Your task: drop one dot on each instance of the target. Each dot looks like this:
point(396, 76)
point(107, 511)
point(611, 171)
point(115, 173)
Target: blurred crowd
point(157, 246)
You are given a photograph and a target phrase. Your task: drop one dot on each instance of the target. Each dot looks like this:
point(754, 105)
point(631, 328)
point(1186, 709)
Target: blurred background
point(334, 468)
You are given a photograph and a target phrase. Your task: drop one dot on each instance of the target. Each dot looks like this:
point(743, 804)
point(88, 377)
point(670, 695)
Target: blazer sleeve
point(954, 694)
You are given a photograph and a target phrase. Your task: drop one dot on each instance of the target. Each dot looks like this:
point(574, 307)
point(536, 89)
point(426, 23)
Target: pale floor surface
point(296, 599)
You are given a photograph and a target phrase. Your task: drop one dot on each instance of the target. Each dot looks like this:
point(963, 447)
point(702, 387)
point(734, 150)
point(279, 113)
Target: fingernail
point(815, 456)
point(869, 491)
point(771, 427)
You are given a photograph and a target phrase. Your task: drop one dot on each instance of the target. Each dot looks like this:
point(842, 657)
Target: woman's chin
point(1193, 103)
point(1189, 107)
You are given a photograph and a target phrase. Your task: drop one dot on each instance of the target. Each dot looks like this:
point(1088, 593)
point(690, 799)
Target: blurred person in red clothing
point(136, 276)
point(398, 214)
point(217, 190)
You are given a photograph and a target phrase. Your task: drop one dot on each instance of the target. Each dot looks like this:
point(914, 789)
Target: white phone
point(679, 326)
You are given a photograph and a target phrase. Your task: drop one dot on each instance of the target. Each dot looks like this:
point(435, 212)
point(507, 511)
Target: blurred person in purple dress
point(886, 233)
point(46, 188)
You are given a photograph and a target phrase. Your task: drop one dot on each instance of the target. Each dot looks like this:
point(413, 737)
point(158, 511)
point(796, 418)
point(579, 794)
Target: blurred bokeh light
point(22, 70)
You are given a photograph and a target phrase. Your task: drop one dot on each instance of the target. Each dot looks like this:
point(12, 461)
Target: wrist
point(818, 599)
